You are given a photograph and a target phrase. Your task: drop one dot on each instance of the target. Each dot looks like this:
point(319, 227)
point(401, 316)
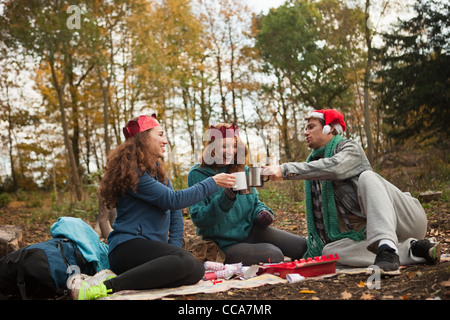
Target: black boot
point(387, 260)
point(431, 251)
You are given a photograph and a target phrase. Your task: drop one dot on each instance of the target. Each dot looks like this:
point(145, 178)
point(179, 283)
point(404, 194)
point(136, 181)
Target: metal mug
point(249, 190)
point(255, 177)
point(241, 186)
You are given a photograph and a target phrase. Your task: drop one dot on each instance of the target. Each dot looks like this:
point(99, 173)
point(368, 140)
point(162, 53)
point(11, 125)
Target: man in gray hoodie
point(351, 210)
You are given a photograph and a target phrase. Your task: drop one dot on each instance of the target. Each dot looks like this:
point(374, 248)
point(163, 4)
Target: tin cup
point(255, 177)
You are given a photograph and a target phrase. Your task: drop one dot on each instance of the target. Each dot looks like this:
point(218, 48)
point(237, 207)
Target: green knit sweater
point(220, 219)
point(330, 217)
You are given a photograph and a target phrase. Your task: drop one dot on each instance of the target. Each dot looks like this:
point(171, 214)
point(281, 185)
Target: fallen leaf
point(346, 295)
point(405, 297)
point(361, 284)
point(367, 296)
point(414, 273)
point(307, 291)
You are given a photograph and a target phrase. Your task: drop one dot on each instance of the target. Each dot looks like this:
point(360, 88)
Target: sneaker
point(387, 260)
point(88, 292)
point(76, 282)
point(431, 251)
point(100, 276)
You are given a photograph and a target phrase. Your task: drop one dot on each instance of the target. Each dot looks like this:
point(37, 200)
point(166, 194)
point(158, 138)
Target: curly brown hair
point(126, 164)
point(235, 166)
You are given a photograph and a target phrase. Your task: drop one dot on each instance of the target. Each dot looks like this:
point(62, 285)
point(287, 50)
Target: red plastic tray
point(310, 267)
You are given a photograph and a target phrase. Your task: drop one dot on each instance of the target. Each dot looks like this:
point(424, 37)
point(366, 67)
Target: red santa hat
point(331, 117)
point(138, 125)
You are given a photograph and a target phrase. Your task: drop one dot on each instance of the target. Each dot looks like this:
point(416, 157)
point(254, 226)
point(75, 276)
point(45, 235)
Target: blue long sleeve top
point(154, 211)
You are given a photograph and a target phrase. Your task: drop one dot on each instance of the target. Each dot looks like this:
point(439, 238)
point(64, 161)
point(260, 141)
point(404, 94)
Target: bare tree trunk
point(105, 110)
point(72, 162)
point(284, 121)
point(204, 105)
point(75, 115)
point(222, 94)
point(10, 140)
point(366, 87)
point(186, 100)
point(232, 62)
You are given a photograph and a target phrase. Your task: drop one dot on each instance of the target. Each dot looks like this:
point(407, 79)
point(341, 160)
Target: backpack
point(41, 270)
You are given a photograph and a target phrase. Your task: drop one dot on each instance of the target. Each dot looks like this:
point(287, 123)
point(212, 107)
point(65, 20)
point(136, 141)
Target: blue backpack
point(41, 270)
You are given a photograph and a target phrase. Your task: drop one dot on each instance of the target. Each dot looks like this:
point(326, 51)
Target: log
point(428, 196)
point(10, 239)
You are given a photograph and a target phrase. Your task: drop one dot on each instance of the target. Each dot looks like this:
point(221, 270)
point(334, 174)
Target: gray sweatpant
point(391, 214)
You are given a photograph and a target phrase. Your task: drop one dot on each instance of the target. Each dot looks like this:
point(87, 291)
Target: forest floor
point(416, 282)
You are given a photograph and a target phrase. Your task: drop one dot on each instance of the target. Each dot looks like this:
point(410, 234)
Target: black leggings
point(266, 245)
point(146, 264)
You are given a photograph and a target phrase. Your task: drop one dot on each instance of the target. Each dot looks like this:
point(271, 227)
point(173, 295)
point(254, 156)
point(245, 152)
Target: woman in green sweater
point(237, 223)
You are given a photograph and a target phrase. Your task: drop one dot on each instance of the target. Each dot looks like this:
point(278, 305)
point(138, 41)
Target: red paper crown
point(143, 123)
point(224, 132)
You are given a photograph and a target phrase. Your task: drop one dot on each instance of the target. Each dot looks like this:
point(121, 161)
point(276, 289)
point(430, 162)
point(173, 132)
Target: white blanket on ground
point(203, 286)
point(221, 285)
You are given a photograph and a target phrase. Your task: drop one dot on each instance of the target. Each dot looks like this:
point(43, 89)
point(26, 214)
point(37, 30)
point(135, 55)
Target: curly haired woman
point(145, 244)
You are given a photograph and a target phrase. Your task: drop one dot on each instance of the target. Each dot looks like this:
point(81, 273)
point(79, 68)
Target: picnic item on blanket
point(309, 267)
point(294, 277)
point(217, 270)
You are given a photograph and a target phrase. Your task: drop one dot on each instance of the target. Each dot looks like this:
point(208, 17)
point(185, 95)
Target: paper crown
point(223, 132)
point(139, 125)
point(330, 116)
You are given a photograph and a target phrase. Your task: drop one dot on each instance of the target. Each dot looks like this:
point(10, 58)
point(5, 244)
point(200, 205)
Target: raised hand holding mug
point(274, 172)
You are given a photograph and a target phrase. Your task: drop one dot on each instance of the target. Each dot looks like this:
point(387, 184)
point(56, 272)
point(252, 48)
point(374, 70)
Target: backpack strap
point(81, 261)
point(21, 277)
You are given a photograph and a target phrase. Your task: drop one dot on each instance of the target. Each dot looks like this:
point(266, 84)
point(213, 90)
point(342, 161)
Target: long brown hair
point(126, 164)
point(235, 166)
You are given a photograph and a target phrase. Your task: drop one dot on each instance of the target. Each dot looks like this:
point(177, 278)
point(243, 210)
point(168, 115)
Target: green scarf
point(330, 216)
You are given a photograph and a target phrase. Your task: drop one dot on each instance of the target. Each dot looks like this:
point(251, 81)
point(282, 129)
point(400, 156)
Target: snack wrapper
point(221, 271)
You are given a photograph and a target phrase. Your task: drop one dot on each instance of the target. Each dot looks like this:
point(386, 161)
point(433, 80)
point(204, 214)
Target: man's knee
point(367, 176)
